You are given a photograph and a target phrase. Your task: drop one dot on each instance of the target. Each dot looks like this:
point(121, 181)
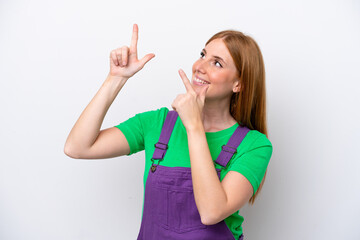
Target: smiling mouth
point(198, 80)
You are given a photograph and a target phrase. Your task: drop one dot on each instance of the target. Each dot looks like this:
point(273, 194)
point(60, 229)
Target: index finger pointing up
point(186, 81)
point(134, 39)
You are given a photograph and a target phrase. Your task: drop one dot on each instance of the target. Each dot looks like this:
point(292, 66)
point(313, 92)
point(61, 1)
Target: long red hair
point(248, 106)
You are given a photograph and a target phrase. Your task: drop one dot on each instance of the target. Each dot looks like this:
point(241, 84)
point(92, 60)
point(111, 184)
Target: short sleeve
point(253, 163)
point(136, 127)
point(133, 132)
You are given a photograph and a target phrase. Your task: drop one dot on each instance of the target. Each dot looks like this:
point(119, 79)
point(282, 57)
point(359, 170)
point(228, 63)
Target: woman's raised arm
point(85, 140)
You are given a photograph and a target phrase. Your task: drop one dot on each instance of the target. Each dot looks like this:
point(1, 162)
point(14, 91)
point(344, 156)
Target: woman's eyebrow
point(216, 57)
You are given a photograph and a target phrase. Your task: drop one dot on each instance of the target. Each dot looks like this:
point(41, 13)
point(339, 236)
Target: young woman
point(207, 157)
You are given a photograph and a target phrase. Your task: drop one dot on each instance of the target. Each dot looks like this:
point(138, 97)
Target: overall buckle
point(229, 149)
point(161, 146)
point(153, 165)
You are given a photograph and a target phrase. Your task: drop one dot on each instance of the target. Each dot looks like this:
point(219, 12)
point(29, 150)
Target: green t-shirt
point(143, 130)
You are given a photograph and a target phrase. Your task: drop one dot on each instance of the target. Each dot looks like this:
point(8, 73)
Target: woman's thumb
point(146, 58)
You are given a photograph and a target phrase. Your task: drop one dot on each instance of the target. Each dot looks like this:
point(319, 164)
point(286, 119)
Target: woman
point(205, 159)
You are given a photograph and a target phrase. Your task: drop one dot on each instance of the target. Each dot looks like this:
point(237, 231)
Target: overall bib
point(170, 211)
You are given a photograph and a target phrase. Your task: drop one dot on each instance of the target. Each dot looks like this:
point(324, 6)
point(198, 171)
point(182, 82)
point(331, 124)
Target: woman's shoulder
point(155, 113)
point(256, 138)
point(153, 117)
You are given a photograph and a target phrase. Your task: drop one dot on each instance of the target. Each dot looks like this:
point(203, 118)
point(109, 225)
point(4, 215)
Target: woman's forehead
point(218, 48)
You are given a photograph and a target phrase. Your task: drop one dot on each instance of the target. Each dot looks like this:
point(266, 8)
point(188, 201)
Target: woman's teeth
point(201, 81)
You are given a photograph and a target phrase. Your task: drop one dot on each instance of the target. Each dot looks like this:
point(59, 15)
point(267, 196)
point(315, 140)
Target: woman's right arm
point(85, 140)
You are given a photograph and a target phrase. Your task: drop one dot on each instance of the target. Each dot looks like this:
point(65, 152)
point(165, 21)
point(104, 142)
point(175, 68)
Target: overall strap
point(228, 150)
point(162, 146)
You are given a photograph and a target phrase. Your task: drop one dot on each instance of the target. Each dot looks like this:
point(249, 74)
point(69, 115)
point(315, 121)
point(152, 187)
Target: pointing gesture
point(186, 82)
point(124, 61)
point(190, 105)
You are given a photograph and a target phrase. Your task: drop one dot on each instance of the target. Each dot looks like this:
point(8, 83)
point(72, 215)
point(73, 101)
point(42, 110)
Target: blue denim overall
point(170, 211)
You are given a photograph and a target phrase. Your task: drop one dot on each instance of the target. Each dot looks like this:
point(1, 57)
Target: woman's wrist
point(115, 82)
point(116, 79)
point(195, 128)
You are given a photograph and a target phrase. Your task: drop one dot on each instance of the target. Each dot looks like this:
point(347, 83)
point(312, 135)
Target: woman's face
point(216, 68)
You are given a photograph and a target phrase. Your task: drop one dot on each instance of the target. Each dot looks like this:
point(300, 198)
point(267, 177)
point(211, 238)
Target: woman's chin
point(198, 88)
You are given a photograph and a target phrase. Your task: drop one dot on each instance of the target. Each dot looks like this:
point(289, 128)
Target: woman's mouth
point(199, 82)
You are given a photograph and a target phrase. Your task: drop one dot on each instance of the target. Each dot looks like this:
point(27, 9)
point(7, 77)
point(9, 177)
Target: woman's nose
point(200, 66)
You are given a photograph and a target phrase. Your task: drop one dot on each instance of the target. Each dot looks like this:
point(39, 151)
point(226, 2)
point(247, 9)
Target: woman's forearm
point(87, 127)
point(208, 192)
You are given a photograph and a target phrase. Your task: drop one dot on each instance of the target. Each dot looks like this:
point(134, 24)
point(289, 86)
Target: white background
point(54, 56)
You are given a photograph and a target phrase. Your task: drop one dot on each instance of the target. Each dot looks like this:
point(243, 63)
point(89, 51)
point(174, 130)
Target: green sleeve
point(253, 163)
point(136, 128)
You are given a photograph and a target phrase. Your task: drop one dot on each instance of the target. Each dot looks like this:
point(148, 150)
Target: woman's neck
point(216, 116)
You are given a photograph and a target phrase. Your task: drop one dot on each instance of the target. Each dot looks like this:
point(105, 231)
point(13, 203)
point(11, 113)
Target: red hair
point(248, 106)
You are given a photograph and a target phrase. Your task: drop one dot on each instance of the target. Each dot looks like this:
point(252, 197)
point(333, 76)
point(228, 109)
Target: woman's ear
point(237, 86)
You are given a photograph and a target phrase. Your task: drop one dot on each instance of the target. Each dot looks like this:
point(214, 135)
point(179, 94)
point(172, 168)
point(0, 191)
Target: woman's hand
point(190, 105)
point(124, 61)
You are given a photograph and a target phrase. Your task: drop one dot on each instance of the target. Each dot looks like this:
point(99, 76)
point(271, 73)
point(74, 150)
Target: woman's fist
point(124, 61)
point(191, 104)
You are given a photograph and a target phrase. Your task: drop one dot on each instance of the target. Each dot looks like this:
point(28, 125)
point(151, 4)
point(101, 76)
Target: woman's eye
point(202, 54)
point(218, 64)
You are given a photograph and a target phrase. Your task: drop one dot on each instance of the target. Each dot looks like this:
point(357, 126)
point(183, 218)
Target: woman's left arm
point(215, 200)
